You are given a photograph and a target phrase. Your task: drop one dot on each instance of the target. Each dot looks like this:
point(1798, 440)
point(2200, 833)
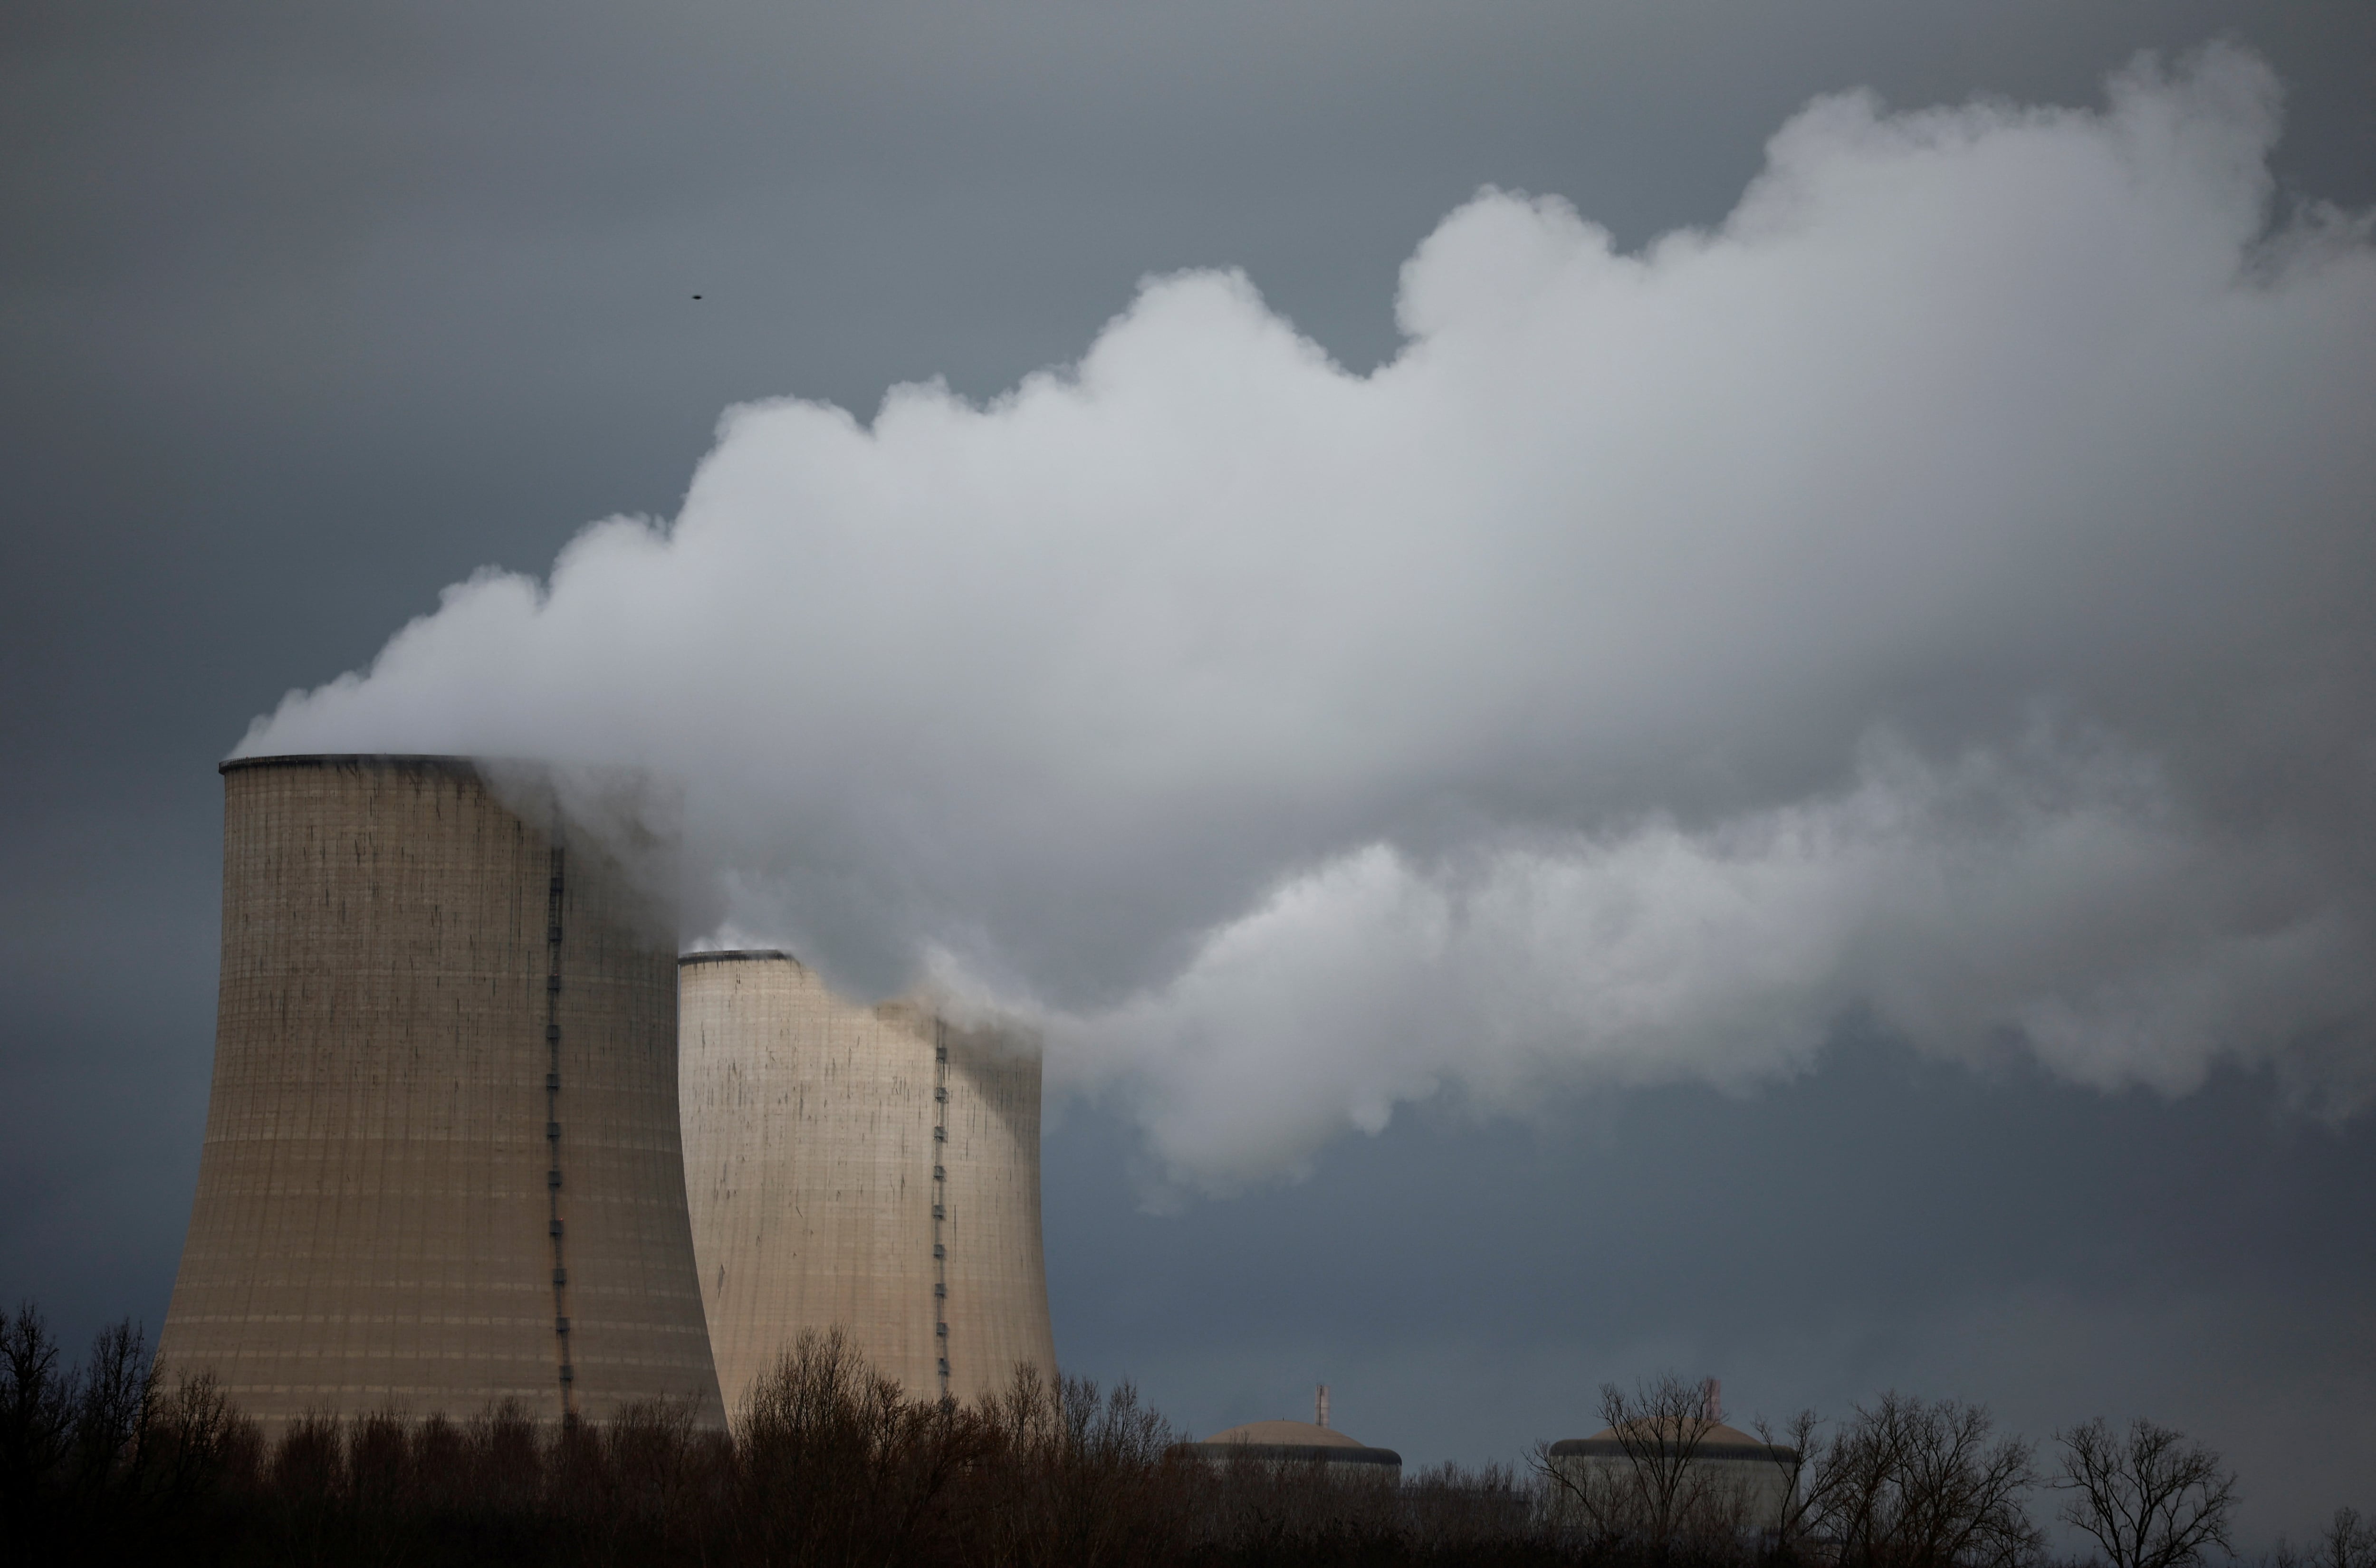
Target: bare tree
point(1642, 1482)
point(1081, 1477)
point(115, 1408)
point(1790, 1450)
point(1910, 1484)
point(2151, 1499)
point(837, 1465)
point(2345, 1542)
point(36, 1407)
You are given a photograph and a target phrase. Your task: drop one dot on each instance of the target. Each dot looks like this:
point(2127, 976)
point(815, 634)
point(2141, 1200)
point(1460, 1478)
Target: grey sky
point(303, 318)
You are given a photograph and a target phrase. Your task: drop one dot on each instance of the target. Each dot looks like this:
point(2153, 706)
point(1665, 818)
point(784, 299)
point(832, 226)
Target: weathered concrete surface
point(375, 1218)
point(814, 1175)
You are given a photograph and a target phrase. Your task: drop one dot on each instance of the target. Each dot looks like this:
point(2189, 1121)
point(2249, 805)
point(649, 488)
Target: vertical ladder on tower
point(552, 1130)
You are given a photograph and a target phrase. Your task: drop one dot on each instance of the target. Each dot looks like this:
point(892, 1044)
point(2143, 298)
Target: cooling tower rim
point(735, 955)
point(422, 762)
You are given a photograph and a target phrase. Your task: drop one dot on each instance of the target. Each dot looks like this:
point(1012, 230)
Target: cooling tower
point(442, 1164)
point(867, 1168)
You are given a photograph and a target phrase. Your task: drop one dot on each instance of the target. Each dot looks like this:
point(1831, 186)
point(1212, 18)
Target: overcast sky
point(1625, 702)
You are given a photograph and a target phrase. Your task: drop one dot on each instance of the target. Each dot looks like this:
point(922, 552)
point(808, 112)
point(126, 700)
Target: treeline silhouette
point(829, 1463)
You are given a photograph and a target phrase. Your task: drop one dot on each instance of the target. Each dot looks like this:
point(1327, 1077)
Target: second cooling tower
point(870, 1169)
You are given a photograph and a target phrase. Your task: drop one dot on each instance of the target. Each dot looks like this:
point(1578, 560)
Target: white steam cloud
point(1939, 594)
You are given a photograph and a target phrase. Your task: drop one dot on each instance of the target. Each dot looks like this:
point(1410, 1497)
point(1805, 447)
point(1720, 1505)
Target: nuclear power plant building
point(1726, 1472)
point(1296, 1444)
point(442, 1164)
point(873, 1170)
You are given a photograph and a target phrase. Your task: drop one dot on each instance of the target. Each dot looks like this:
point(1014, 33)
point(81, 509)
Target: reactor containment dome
point(1716, 1471)
point(1300, 1442)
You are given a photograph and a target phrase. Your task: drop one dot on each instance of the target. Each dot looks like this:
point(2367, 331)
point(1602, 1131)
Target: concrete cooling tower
point(873, 1169)
point(442, 1164)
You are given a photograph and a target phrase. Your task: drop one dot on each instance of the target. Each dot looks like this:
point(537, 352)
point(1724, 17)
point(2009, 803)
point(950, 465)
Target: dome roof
point(1295, 1443)
point(1715, 1441)
point(1300, 1433)
point(1715, 1433)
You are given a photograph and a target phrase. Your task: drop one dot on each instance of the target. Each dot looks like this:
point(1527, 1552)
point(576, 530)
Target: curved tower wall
point(442, 1163)
point(865, 1168)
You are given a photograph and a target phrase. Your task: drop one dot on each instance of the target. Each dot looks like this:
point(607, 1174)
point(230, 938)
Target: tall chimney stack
point(1712, 1400)
point(1320, 1407)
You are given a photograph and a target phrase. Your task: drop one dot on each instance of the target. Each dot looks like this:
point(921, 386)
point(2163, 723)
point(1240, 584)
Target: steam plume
point(1937, 592)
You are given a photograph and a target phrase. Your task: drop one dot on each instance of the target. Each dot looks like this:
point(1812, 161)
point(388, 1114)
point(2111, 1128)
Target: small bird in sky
point(697, 296)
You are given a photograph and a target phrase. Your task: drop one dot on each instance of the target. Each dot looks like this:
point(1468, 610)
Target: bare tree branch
point(1910, 1484)
point(2150, 1498)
